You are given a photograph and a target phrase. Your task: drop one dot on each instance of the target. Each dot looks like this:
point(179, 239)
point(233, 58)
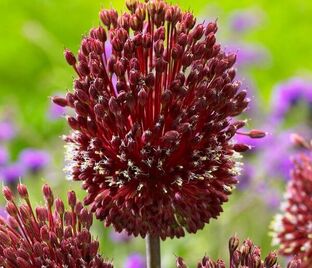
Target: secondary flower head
point(292, 229)
point(47, 237)
point(154, 149)
point(246, 255)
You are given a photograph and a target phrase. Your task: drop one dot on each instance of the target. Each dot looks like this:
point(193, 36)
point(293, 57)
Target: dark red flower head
point(152, 135)
point(47, 237)
point(292, 229)
point(247, 255)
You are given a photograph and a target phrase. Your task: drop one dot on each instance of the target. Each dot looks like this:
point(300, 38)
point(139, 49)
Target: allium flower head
point(154, 150)
point(246, 255)
point(47, 237)
point(293, 228)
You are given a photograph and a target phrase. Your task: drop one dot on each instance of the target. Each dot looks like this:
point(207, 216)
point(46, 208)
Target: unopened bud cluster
point(47, 236)
point(152, 135)
point(246, 255)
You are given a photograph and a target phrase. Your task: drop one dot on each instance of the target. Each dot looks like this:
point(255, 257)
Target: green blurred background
point(33, 34)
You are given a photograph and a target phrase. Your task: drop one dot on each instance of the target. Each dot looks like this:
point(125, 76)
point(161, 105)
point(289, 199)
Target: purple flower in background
point(245, 20)
point(269, 195)
point(249, 54)
point(273, 199)
point(3, 156)
point(34, 160)
point(55, 111)
point(135, 260)
point(7, 131)
point(275, 157)
point(246, 176)
point(12, 173)
point(288, 94)
point(121, 237)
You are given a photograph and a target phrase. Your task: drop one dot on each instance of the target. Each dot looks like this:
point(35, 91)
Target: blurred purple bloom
point(269, 195)
point(273, 199)
point(12, 173)
point(249, 54)
point(135, 260)
point(34, 160)
point(3, 156)
point(245, 20)
point(121, 237)
point(55, 111)
point(7, 131)
point(276, 156)
point(245, 177)
point(288, 94)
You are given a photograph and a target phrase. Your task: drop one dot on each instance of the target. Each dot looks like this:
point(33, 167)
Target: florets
point(152, 136)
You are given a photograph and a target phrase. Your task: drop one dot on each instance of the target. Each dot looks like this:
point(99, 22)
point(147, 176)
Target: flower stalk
point(152, 251)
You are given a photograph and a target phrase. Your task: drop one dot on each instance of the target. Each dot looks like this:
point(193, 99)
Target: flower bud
point(233, 244)
point(22, 190)
point(239, 147)
point(71, 196)
point(70, 57)
point(48, 195)
point(270, 260)
point(257, 134)
point(7, 193)
point(60, 101)
point(59, 205)
point(180, 263)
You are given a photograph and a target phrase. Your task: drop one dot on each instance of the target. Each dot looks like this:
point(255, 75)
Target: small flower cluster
point(247, 255)
point(292, 229)
point(45, 237)
point(152, 135)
